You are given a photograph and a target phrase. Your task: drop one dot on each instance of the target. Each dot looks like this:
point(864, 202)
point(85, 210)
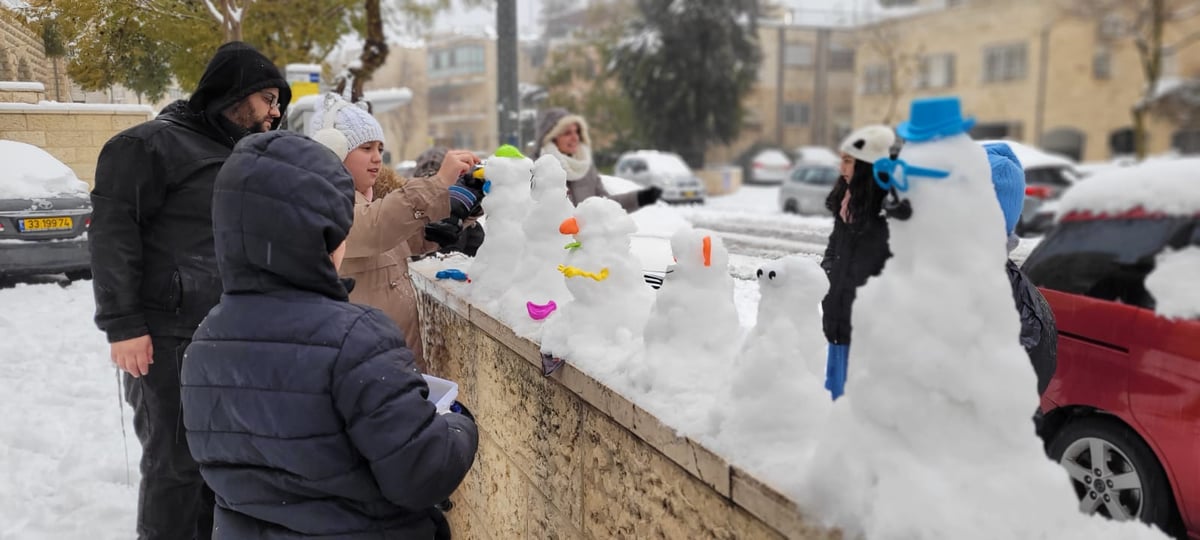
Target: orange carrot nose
point(569, 226)
point(707, 250)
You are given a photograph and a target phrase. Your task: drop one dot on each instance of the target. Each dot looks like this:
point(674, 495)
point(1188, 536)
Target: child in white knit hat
point(378, 247)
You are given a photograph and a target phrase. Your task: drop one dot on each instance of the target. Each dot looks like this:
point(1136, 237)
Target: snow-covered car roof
point(1170, 187)
point(30, 172)
point(668, 162)
point(772, 156)
point(817, 155)
point(1035, 158)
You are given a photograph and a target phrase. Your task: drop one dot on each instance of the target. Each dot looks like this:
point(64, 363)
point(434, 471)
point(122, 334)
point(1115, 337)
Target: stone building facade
point(23, 58)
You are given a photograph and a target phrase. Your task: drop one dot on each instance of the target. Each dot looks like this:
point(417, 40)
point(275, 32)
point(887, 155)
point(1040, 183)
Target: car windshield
point(821, 176)
point(1048, 176)
point(1107, 259)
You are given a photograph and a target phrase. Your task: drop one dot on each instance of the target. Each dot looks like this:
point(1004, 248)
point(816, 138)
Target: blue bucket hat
point(934, 118)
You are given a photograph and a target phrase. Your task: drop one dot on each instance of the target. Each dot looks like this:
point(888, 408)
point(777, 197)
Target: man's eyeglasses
point(271, 99)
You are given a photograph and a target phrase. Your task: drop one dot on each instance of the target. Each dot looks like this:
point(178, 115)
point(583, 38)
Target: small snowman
point(538, 287)
point(505, 206)
point(693, 331)
point(776, 381)
point(602, 325)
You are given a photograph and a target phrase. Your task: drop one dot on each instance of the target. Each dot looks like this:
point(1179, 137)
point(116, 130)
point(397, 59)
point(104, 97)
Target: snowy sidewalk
point(62, 461)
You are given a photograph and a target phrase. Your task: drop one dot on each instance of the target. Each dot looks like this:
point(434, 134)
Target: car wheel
point(1113, 472)
point(77, 275)
point(791, 207)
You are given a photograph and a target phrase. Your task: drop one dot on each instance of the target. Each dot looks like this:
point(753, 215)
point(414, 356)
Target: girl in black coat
point(858, 246)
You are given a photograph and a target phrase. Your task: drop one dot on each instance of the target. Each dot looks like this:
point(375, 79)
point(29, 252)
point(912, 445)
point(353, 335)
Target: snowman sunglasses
point(891, 174)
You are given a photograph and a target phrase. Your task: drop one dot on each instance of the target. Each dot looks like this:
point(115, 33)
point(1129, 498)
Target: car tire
point(790, 207)
point(77, 275)
point(1127, 461)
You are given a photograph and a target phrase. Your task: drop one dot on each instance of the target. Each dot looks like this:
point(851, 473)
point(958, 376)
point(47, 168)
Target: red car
point(1122, 413)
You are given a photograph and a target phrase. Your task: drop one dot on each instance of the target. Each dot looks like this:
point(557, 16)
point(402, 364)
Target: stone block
point(774, 509)
point(632, 491)
point(536, 422)
point(65, 155)
point(71, 137)
point(689, 454)
point(13, 121)
point(36, 138)
point(57, 122)
point(497, 491)
point(547, 522)
point(465, 521)
point(120, 122)
point(95, 122)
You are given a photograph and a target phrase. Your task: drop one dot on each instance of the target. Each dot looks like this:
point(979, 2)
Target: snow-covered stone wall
point(566, 457)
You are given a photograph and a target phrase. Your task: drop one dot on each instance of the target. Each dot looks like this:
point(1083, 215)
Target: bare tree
point(887, 41)
point(229, 14)
point(1144, 23)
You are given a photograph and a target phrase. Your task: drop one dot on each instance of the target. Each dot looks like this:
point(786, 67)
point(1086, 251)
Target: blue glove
point(836, 365)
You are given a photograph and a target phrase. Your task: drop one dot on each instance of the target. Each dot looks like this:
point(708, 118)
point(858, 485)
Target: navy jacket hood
point(282, 203)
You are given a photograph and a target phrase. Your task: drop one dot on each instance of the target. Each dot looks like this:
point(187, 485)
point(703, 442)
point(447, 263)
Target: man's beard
point(244, 117)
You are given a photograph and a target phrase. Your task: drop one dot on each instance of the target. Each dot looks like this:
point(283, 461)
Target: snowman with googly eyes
point(780, 368)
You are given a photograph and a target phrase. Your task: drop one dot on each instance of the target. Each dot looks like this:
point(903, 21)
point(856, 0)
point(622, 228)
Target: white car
point(769, 166)
point(664, 170)
point(807, 187)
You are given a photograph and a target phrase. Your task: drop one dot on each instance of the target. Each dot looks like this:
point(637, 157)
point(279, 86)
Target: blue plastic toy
point(451, 273)
point(836, 364)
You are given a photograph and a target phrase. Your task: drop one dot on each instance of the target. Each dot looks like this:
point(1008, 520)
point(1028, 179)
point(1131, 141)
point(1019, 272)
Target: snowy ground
point(70, 465)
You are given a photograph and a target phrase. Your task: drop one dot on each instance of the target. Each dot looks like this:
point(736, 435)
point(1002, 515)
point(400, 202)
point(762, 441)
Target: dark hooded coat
point(306, 412)
point(151, 235)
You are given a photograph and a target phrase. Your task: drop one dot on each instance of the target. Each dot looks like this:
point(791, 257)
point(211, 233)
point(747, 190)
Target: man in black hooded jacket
point(154, 267)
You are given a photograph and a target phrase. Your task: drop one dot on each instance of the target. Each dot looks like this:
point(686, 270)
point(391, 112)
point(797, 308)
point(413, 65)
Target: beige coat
point(385, 233)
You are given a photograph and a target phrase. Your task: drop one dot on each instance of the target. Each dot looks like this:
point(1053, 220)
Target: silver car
point(665, 170)
point(806, 188)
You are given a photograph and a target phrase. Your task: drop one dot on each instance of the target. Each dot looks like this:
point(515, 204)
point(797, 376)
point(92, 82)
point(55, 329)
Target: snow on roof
point(22, 86)
point(817, 154)
point(31, 172)
point(1170, 187)
point(1034, 158)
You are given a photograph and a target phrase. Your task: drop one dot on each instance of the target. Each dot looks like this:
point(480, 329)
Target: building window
point(795, 114)
point(1102, 63)
point(798, 55)
point(877, 79)
point(841, 58)
point(936, 71)
point(460, 60)
point(1005, 63)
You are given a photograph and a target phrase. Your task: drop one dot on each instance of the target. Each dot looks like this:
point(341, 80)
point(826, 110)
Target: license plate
point(46, 224)
point(687, 194)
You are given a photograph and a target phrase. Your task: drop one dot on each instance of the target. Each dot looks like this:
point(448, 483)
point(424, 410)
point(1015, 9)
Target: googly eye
point(760, 273)
point(771, 275)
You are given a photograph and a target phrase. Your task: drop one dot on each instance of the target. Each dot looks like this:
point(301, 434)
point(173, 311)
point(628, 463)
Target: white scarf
point(576, 167)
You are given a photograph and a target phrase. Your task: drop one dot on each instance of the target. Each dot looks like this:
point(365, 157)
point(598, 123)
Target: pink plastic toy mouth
point(539, 312)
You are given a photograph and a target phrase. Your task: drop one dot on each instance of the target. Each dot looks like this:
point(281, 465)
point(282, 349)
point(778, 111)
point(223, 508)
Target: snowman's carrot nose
point(569, 226)
point(707, 250)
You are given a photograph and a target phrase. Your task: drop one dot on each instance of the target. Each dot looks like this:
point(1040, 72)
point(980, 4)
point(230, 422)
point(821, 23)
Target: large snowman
point(601, 327)
point(934, 438)
point(507, 201)
point(538, 287)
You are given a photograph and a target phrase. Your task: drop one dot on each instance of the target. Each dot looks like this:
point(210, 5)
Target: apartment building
point(23, 58)
point(1028, 70)
point(805, 90)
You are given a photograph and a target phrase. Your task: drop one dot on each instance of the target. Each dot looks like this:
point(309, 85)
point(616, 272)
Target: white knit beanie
point(869, 143)
point(342, 126)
